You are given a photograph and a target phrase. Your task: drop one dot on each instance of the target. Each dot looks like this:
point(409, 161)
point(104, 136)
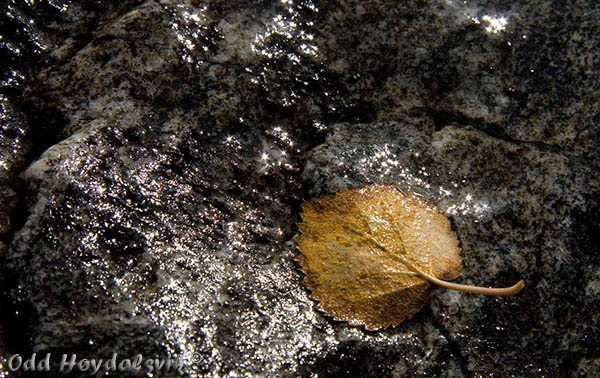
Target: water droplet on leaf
point(371, 254)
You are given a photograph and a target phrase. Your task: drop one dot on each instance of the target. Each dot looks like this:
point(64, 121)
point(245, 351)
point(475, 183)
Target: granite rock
point(14, 150)
point(155, 155)
point(520, 211)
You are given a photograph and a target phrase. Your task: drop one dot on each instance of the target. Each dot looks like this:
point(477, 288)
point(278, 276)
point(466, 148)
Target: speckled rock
point(156, 153)
point(161, 219)
point(520, 211)
point(524, 70)
point(14, 147)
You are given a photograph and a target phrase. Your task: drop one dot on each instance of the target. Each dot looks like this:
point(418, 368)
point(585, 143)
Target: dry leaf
point(371, 254)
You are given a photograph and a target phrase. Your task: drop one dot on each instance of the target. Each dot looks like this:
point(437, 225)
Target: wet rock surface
point(518, 211)
point(155, 154)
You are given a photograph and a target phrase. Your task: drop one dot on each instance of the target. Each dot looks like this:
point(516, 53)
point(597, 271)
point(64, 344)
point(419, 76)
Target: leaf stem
point(504, 291)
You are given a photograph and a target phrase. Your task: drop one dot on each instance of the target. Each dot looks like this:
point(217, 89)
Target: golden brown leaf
point(370, 254)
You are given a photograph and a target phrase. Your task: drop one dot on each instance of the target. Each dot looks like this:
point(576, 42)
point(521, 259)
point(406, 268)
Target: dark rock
point(155, 155)
point(519, 212)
